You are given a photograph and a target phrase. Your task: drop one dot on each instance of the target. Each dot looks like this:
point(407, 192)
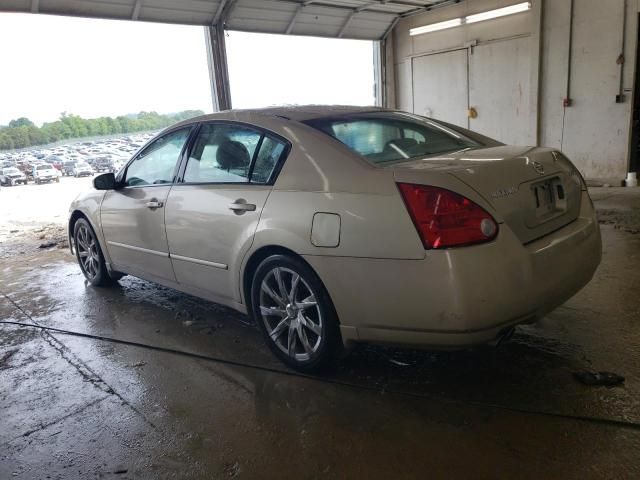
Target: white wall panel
point(499, 74)
point(440, 86)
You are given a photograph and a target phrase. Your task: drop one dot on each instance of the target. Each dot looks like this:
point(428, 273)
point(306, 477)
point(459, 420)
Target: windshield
point(10, 171)
point(44, 167)
point(82, 165)
point(392, 136)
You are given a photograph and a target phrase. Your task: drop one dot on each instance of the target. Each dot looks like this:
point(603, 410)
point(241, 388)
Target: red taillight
point(446, 219)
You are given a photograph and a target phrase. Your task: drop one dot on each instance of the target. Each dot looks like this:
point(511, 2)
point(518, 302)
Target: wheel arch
point(257, 257)
point(252, 263)
point(76, 215)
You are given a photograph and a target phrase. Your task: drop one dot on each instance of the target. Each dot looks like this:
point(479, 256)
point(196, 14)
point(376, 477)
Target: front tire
point(89, 255)
point(295, 314)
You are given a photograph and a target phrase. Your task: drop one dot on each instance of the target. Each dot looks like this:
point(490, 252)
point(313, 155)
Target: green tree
point(21, 122)
point(22, 132)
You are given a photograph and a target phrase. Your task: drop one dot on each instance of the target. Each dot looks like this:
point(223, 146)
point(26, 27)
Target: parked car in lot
point(338, 225)
point(45, 173)
point(55, 161)
point(68, 167)
point(12, 176)
point(82, 169)
point(101, 164)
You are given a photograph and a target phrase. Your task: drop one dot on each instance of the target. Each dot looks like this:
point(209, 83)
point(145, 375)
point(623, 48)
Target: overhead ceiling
point(360, 19)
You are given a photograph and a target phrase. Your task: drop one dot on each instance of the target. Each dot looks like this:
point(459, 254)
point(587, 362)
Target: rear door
point(213, 211)
point(133, 216)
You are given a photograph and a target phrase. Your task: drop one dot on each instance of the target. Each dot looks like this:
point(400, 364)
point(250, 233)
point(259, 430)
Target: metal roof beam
point(292, 22)
point(390, 27)
point(429, 7)
point(218, 14)
point(358, 10)
point(346, 23)
point(136, 10)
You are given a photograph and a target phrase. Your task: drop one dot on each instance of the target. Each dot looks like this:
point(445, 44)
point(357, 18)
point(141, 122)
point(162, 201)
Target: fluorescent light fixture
point(434, 27)
point(478, 17)
point(499, 12)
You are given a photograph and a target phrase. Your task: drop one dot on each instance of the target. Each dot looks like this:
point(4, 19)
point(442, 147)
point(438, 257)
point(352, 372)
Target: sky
point(92, 68)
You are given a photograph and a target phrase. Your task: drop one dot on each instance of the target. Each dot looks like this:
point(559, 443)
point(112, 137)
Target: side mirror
point(106, 181)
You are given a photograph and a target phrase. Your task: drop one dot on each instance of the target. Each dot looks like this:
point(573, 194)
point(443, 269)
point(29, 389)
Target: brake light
point(446, 219)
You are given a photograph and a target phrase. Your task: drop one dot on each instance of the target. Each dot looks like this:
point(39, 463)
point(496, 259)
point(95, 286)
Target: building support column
point(537, 32)
point(218, 68)
point(379, 73)
point(384, 69)
point(384, 73)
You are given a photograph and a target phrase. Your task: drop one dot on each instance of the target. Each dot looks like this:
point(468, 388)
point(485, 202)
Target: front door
point(133, 216)
point(213, 211)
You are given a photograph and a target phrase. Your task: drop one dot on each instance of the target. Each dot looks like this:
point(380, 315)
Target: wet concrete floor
point(74, 407)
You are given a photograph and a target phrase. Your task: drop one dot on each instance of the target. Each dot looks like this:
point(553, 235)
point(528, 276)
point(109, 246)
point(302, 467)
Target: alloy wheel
point(291, 313)
point(88, 252)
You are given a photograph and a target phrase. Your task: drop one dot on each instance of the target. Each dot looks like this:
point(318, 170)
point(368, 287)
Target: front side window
point(156, 164)
point(391, 137)
point(229, 153)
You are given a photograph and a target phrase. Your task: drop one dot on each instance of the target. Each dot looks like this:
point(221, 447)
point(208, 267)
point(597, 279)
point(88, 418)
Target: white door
point(499, 90)
point(213, 211)
point(440, 86)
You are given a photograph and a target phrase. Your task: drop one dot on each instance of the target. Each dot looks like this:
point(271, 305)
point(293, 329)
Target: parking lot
point(164, 385)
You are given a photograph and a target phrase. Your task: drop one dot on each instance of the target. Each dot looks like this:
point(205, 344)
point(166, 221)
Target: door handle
point(240, 206)
point(154, 203)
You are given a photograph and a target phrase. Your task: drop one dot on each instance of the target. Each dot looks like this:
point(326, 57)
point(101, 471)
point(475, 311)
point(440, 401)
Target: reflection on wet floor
point(164, 415)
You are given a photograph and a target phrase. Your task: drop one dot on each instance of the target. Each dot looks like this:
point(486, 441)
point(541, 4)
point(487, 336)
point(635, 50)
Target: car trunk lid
point(532, 191)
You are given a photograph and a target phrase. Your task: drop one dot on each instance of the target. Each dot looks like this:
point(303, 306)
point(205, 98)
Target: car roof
point(299, 113)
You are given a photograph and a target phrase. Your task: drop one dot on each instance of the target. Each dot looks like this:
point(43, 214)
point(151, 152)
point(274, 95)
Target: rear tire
point(89, 255)
point(295, 314)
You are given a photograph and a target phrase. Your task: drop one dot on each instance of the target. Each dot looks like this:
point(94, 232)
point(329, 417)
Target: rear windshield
point(392, 136)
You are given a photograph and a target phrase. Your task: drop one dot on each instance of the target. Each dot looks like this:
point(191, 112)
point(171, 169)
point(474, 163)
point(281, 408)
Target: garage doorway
point(492, 79)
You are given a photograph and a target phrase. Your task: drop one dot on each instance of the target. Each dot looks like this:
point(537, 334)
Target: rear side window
point(229, 153)
point(391, 137)
point(270, 152)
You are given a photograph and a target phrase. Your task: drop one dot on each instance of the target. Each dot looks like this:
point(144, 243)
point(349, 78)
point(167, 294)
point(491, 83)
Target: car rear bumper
point(462, 296)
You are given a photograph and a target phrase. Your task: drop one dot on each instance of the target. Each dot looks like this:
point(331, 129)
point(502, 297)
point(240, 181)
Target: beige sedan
point(335, 225)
